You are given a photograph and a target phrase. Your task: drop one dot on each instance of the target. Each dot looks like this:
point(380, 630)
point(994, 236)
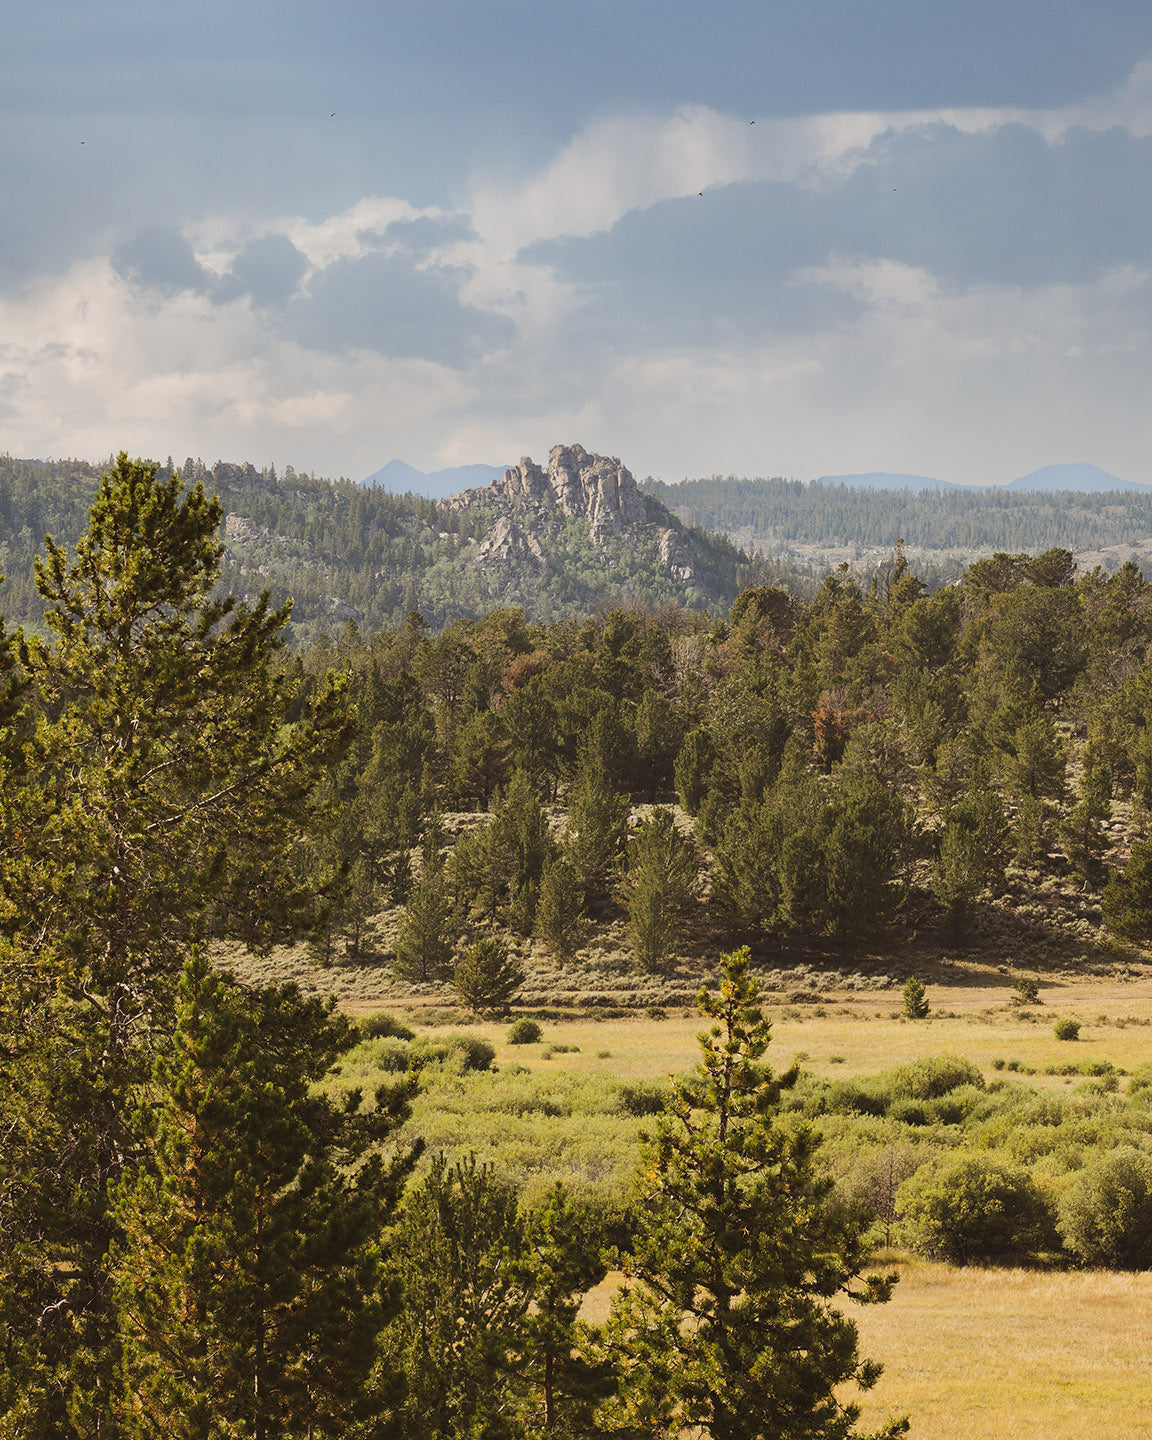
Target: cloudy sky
point(754, 236)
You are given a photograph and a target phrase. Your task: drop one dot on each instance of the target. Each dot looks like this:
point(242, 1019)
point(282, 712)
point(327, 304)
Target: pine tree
point(487, 976)
point(725, 1321)
point(559, 1380)
point(663, 871)
point(164, 792)
point(247, 1279)
point(594, 843)
point(426, 937)
point(459, 1257)
point(561, 921)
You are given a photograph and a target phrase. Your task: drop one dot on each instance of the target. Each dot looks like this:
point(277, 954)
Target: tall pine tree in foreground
point(154, 791)
point(248, 1279)
point(725, 1326)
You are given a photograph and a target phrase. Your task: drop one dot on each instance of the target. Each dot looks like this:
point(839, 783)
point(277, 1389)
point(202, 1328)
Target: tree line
point(771, 513)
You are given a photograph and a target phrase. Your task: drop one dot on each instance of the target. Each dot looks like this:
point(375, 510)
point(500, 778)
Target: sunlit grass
point(977, 1354)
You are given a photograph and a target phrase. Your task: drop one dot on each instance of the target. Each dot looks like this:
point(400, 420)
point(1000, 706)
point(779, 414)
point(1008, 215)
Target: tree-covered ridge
point(773, 514)
point(340, 550)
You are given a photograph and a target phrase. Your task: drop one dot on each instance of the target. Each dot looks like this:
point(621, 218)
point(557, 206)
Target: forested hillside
point(341, 551)
point(791, 517)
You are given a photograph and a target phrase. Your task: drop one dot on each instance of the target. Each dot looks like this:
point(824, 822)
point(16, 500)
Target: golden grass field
point(969, 1354)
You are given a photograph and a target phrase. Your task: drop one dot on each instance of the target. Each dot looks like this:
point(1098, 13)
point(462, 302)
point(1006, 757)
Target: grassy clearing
point(999, 1354)
point(969, 1354)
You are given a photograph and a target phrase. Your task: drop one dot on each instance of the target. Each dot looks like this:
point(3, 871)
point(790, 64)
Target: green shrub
point(391, 1054)
point(642, 1097)
point(1067, 1029)
point(1106, 1212)
point(908, 1111)
point(465, 1052)
point(1027, 992)
point(970, 1209)
point(384, 1022)
point(933, 1076)
point(1141, 1081)
point(524, 1031)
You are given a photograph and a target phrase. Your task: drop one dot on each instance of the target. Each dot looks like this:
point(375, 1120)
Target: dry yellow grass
point(1002, 1354)
point(1006, 1354)
point(864, 1034)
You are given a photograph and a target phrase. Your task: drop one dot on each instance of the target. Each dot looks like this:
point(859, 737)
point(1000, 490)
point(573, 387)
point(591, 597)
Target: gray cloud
point(384, 303)
point(1001, 207)
point(160, 259)
point(427, 232)
point(268, 270)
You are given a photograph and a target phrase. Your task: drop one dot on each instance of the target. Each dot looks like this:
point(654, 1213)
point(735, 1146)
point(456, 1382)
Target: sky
point(752, 237)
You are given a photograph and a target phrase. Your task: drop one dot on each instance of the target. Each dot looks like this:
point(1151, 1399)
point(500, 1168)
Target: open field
point(848, 1033)
point(1001, 1354)
point(969, 1354)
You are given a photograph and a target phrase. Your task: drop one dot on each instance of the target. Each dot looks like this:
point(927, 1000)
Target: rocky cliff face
point(581, 526)
point(593, 487)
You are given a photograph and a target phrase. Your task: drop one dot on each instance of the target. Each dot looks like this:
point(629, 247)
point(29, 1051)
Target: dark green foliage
point(594, 841)
point(1067, 1029)
point(693, 767)
point(915, 999)
point(1127, 898)
point(725, 1319)
point(524, 1031)
point(247, 1277)
point(1106, 1212)
point(486, 976)
point(459, 1257)
point(1027, 992)
point(426, 938)
point(663, 873)
point(971, 849)
point(971, 1209)
point(561, 919)
point(811, 859)
point(167, 795)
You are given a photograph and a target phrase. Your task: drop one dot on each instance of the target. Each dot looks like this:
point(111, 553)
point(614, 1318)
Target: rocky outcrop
point(507, 543)
point(674, 558)
point(593, 487)
point(531, 517)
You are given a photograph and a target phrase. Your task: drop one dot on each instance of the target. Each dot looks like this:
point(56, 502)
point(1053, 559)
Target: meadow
point(968, 1352)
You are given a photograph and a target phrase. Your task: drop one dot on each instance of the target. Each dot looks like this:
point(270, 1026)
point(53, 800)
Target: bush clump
point(642, 1097)
point(932, 1077)
point(1067, 1029)
point(466, 1052)
point(384, 1023)
point(524, 1031)
point(970, 1209)
point(1106, 1212)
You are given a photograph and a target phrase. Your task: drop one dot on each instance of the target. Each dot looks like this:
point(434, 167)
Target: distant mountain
point(1085, 479)
point(884, 480)
point(400, 479)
